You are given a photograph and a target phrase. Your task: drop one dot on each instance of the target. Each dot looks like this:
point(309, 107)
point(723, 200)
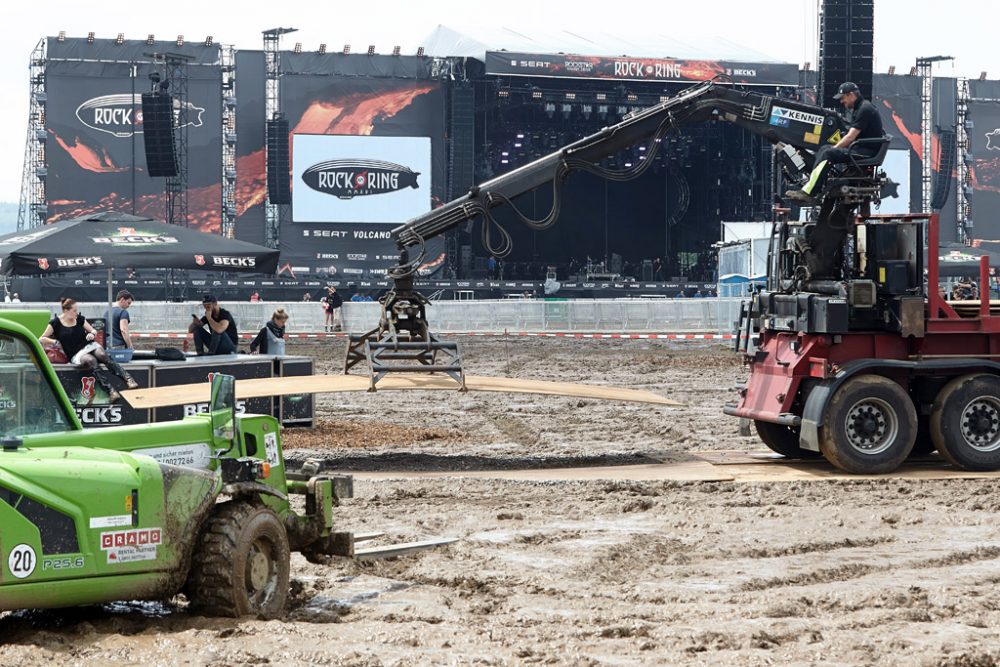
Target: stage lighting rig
point(150, 39)
point(90, 38)
point(347, 49)
point(298, 47)
point(322, 48)
point(180, 40)
point(371, 49)
point(420, 52)
point(208, 41)
point(62, 36)
point(120, 39)
point(396, 50)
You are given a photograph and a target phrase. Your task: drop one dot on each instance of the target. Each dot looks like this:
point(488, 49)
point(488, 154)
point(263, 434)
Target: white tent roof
point(474, 42)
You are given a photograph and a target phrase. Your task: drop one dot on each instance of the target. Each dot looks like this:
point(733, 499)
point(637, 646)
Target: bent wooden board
point(158, 397)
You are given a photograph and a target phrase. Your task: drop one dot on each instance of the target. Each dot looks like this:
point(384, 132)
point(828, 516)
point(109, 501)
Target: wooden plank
point(394, 550)
point(156, 397)
point(693, 470)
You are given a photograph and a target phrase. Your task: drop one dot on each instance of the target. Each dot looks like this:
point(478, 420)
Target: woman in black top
point(76, 337)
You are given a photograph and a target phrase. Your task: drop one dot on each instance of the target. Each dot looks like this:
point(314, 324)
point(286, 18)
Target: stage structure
point(33, 210)
point(86, 152)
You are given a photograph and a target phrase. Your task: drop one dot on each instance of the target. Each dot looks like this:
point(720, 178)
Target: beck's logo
point(199, 260)
point(234, 261)
point(87, 387)
point(43, 263)
point(357, 178)
point(118, 114)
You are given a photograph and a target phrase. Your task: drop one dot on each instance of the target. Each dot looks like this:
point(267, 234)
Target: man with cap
point(865, 123)
point(220, 337)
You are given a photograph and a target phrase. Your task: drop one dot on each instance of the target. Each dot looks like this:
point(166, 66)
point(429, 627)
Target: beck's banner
point(505, 63)
point(360, 179)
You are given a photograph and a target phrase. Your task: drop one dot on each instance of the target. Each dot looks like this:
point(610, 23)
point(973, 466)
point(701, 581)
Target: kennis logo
point(234, 261)
point(356, 178)
point(120, 114)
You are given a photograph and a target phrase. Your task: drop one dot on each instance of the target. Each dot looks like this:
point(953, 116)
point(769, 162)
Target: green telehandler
point(199, 506)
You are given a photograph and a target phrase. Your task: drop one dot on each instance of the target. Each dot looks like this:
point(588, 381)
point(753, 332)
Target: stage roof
point(473, 42)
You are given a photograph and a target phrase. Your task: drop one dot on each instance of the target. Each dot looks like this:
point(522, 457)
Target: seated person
point(221, 336)
point(271, 339)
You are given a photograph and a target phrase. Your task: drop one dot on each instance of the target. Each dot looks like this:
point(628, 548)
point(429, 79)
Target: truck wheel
point(870, 426)
point(241, 563)
point(965, 422)
point(781, 439)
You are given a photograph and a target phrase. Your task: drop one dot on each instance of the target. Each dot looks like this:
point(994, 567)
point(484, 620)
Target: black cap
point(847, 87)
point(209, 298)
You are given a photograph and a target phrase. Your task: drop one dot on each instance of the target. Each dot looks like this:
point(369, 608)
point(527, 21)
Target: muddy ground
point(883, 572)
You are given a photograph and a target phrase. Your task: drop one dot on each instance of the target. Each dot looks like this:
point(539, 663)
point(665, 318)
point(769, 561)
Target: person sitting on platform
point(77, 338)
point(271, 338)
point(221, 336)
point(866, 123)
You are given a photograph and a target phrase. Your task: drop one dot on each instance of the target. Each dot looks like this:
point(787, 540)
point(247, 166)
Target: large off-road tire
point(870, 426)
point(782, 439)
point(240, 565)
point(965, 422)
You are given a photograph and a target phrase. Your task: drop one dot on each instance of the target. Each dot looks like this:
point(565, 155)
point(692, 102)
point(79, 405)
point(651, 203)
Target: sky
point(785, 30)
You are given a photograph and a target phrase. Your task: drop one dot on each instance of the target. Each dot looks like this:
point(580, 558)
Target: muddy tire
point(240, 564)
point(781, 439)
point(965, 422)
point(870, 426)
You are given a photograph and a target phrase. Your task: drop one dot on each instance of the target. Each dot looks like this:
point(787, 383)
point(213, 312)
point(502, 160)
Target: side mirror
point(223, 406)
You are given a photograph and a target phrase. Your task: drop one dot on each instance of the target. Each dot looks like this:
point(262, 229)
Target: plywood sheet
point(316, 384)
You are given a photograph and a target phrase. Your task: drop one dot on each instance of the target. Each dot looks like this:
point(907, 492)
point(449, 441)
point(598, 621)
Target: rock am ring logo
point(347, 179)
point(119, 114)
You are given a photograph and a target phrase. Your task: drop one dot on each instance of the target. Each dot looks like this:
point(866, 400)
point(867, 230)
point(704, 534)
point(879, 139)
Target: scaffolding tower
point(228, 204)
point(274, 214)
point(964, 191)
point(32, 210)
point(925, 69)
point(176, 188)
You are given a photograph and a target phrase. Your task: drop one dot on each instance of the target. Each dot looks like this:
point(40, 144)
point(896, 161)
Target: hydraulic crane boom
point(798, 128)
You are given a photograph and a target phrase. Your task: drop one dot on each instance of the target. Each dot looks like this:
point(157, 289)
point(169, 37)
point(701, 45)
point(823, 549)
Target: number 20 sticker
point(21, 561)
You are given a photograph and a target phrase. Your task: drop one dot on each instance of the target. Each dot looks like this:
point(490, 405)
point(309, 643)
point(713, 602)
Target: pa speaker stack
point(846, 47)
point(158, 134)
point(278, 179)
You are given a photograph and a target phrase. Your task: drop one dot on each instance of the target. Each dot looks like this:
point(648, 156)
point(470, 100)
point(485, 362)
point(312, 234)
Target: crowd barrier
point(710, 315)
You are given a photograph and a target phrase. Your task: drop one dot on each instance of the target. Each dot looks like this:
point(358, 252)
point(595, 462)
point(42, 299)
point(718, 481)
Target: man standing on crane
point(866, 123)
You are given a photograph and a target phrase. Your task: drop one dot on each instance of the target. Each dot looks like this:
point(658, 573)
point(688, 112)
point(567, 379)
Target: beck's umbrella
point(961, 260)
point(118, 240)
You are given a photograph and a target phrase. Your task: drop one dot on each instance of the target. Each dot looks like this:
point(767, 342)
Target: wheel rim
point(981, 424)
point(261, 573)
point(871, 426)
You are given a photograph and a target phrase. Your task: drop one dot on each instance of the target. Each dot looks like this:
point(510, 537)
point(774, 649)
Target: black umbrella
point(118, 240)
point(957, 259)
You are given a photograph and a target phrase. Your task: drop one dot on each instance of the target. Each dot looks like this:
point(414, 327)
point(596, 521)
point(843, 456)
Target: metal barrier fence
point(712, 315)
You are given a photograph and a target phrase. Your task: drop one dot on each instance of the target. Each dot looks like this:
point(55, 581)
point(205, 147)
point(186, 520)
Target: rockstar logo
point(993, 140)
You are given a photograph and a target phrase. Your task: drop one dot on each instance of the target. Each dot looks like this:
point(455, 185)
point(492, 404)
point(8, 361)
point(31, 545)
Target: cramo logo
point(120, 114)
point(108, 414)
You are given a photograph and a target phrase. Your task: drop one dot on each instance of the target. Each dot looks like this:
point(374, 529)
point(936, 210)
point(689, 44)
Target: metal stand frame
point(964, 189)
point(402, 341)
point(33, 210)
point(925, 67)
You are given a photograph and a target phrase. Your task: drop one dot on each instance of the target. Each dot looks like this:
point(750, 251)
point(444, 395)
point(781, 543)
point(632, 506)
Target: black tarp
point(118, 240)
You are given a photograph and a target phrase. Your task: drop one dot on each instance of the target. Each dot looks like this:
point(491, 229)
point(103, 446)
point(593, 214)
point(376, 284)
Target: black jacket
point(261, 340)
